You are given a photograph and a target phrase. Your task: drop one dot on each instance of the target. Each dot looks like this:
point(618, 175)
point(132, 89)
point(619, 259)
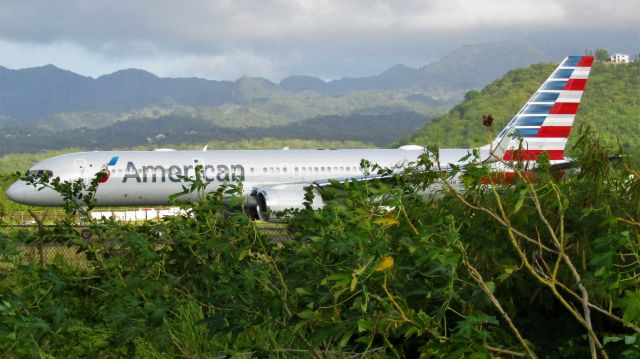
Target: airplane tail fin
point(544, 122)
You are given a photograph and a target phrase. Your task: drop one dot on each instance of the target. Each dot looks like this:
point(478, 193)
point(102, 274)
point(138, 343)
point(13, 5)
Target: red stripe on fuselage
point(585, 61)
point(564, 108)
point(531, 155)
point(554, 131)
point(575, 85)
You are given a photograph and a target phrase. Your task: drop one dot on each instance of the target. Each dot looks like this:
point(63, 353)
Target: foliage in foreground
point(547, 267)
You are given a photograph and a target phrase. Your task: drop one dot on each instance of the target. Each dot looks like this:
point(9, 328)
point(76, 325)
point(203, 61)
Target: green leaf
point(478, 355)
point(345, 339)
point(354, 282)
point(341, 280)
point(243, 253)
point(412, 331)
point(520, 201)
point(491, 286)
point(306, 314)
point(506, 273)
point(607, 340)
point(365, 325)
point(631, 306)
point(303, 291)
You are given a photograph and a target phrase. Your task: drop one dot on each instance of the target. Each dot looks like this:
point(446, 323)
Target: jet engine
point(269, 199)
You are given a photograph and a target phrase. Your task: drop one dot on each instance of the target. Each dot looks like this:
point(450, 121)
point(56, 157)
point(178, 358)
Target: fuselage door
point(81, 169)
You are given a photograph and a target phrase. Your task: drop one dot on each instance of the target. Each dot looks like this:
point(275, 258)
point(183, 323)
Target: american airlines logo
point(173, 173)
point(106, 173)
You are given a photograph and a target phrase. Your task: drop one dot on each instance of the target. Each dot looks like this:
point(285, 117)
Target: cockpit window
point(41, 173)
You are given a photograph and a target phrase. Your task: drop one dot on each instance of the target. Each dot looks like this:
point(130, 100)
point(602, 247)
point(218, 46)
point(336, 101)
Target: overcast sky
point(276, 38)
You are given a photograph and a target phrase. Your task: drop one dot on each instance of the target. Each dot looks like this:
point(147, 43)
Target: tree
point(602, 54)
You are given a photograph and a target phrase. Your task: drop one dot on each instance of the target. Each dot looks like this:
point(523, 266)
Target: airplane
point(275, 180)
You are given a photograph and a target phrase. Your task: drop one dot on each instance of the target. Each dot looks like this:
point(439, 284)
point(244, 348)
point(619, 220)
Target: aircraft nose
point(15, 192)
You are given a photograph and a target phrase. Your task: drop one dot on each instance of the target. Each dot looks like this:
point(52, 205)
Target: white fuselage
point(146, 178)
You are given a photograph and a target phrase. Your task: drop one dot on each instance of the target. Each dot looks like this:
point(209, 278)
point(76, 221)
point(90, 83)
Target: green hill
point(611, 105)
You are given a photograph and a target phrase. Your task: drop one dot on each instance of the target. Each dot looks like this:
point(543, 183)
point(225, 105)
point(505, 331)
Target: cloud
point(208, 22)
point(228, 66)
point(318, 35)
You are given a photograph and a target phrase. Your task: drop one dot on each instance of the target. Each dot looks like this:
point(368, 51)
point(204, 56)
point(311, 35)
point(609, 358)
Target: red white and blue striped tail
point(544, 123)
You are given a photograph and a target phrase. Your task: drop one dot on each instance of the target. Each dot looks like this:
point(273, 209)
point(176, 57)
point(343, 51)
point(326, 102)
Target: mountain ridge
point(32, 94)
